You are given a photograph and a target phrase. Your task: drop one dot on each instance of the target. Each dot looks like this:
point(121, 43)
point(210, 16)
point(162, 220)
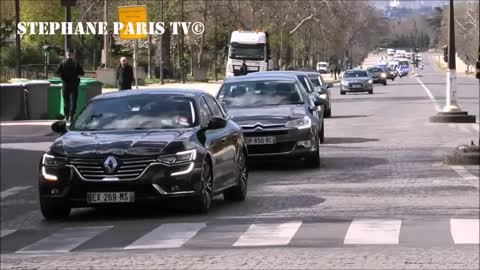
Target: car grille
point(127, 168)
point(271, 148)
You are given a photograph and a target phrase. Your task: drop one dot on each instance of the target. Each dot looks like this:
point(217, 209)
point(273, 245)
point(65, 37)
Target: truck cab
point(251, 47)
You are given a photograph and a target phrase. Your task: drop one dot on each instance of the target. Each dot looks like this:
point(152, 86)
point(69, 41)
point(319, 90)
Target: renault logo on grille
point(110, 164)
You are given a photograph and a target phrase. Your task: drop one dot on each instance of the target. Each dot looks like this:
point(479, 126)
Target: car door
point(229, 140)
point(225, 145)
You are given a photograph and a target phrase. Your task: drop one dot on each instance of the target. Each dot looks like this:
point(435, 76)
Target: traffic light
point(445, 54)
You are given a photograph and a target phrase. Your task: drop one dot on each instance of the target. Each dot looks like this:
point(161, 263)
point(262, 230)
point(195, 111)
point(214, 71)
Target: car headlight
point(300, 123)
point(370, 81)
point(383, 75)
point(323, 96)
point(180, 157)
point(344, 83)
point(49, 160)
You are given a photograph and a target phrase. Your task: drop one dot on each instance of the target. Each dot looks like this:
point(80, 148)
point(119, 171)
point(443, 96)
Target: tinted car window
point(375, 69)
point(205, 113)
point(259, 93)
point(315, 80)
point(305, 83)
point(356, 73)
point(214, 108)
point(138, 112)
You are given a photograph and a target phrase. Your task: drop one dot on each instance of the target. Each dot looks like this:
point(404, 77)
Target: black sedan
point(302, 77)
point(356, 80)
point(142, 146)
point(276, 114)
point(378, 74)
point(323, 89)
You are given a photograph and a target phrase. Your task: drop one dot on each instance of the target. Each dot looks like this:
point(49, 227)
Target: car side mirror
point(216, 123)
point(319, 101)
point(59, 127)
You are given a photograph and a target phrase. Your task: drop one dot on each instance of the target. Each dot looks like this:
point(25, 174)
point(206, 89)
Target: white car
point(390, 52)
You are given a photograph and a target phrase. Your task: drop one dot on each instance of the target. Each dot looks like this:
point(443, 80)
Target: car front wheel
point(206, 188)
point(312, 160)
point(239, 192)
point(54, 209)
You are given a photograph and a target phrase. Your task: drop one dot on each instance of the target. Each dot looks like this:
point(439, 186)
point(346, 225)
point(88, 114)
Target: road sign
point(129, 16)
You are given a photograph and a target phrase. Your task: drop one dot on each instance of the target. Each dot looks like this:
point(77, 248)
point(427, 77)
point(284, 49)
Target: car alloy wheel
point(206, 192)
point(239, 192)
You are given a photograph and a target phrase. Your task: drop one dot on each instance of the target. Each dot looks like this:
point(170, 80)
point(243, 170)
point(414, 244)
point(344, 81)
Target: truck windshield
point(247, 51)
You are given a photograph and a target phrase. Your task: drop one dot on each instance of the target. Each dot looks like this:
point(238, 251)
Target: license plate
point(110, 197)
point(356, 85)
point(260, 140)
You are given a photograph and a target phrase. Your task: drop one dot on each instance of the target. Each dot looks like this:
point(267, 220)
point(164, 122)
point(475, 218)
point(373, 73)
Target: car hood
point(268, 115)
point(357, 79)
point(101, 144)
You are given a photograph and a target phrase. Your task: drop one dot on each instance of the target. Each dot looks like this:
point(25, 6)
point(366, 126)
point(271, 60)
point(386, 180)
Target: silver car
point(356, 80)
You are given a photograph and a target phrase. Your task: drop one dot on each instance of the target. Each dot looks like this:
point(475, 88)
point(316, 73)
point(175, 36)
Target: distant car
point(323, 90)
point(277, 116)
point(390, 52)
point(391, 74)
point(132, 147)
point(322, 67)
point(403, 68)
point(356, 80)
point(378, 74)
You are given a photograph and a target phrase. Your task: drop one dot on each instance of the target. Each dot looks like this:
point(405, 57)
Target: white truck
point(322, 67)
point(251, 47)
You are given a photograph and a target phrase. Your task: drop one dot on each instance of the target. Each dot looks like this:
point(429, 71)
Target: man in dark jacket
point(243, 69)
point(124, 75)
point(70, 70)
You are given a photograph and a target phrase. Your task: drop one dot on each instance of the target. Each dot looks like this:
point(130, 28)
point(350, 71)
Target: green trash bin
point(55, 80)
point(55, 102)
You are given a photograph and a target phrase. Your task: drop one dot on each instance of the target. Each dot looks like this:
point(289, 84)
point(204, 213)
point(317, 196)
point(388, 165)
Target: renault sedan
point(142, 146)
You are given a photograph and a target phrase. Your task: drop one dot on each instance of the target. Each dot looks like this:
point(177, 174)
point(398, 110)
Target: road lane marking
point(64, 240)
point(465, 231)
point(466, 175)
point(432, 98)
point(268, 234)
point(12, 191)
point(6, 232)
point(373, 232)
point(172, 235)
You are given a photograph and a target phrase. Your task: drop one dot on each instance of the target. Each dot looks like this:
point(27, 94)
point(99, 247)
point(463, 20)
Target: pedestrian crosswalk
point(356, 232)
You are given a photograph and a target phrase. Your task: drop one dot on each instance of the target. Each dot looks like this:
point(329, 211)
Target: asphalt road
point(381, 199)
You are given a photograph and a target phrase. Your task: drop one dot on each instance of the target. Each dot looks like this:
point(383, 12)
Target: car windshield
point(259, 93)
point(247, 51)
point(356, 73)
point(375, 69)
point(137, 112)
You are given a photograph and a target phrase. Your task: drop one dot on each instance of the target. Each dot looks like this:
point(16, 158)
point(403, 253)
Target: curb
point(463, 155)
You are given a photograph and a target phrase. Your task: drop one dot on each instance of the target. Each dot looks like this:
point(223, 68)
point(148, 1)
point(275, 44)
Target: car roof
point(355, 69)
point(261, 77)
point(286, 72)
point(192, 93)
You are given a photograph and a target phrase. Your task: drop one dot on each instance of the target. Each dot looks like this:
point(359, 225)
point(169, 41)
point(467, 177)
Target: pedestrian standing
point(69, 71)
point(338, 70)
point(124, 75)
point(243, 69)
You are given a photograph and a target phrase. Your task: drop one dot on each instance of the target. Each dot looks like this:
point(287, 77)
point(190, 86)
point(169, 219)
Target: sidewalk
point(440, 65)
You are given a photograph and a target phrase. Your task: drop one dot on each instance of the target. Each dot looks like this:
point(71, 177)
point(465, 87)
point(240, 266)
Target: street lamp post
point(452, 113)
point(68, 18)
